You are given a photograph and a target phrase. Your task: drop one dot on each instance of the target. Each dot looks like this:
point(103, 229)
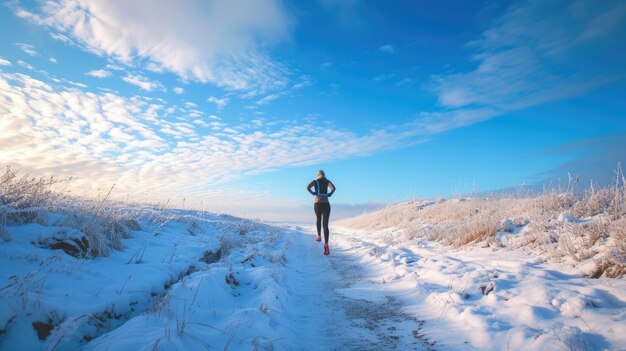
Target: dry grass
point(25, 199)
point(558, 223)
point(613, 263)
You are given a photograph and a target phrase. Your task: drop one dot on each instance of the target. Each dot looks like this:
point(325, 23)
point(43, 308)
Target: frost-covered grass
point(587, 229)
point(474, 273)
point(87, 228)
point(485, 298)
point(518, 272)
point(74, 270)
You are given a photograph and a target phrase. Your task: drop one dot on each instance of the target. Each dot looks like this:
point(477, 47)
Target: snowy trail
point(481, 298)
point(221, 283)
point(337, 304)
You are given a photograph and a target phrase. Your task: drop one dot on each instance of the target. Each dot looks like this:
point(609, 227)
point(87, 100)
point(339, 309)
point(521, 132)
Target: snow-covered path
point(337, 304)
point(215, 282)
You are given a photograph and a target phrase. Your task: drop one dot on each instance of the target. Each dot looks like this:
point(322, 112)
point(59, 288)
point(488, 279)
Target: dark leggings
point(322, 211)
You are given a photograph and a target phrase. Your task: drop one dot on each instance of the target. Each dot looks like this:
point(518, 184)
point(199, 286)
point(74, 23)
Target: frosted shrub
point(25, 199)
point(103, 229)
point(593, 203)
point(22, 198)
point(481, 228)
point(22, 192)
point(613, 263)
point(557, 224)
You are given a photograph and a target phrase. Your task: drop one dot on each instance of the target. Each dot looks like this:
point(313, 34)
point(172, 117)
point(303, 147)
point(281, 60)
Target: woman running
point(319, 187)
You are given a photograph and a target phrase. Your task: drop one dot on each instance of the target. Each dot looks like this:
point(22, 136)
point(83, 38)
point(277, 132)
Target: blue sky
point(233, 106)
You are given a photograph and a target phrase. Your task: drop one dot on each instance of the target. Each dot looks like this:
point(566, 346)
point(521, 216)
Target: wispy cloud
point(271, 97)
point(66, 131)
point(28, 49)
point(346, 12)
point(76, 84)
point(178, 90)
point(216, 42)
point(25, 65)
point(143, 83)
point(591, 160)
point(99, 73)
point(115, 67)
point(383, 77)
point(219, 103)
point(53, 60)
point(403, 83)
point(535, 53)
point(303, 82)
point(4, 62)
point(388, 49)
point(132, 141)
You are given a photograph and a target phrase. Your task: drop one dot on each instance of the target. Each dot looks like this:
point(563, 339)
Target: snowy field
point(177, 281)
point(431, 275)
point(508, 273)
point(480, 298)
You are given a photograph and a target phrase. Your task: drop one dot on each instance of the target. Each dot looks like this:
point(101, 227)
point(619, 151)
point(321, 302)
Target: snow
point(83, 298)
point(567, 217)
point(191, 281)
point(483, 298)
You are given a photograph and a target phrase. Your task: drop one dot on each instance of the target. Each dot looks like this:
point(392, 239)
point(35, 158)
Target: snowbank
point(531, 273)
point(171, 272)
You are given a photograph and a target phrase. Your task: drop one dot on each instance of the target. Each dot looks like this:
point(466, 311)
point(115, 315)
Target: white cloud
point(55, 36)
point(105, 138)
point(62, 131)
point(428, 123)
point(403, 83)
point(219, 103)
point(218, 42)
point(25, 65)
point(533, 54)
point(99, 73)
point(115, 67)
point(143, 83)
point(304, 81)
point(178, 90)
point(27, 49)
point(388, 49)
point(326, 65)
point(76, 84)
point(271, 97)
point(156, 68)
point(53, 60)
point(4, 62)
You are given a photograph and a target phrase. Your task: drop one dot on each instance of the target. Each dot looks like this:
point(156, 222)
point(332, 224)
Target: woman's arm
point(332, 188)
point(311, 185)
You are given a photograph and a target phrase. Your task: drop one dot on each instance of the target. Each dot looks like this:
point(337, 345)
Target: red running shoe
point(319, 238)
point(326, 250)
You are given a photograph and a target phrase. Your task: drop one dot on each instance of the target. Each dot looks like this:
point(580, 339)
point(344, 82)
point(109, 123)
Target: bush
point(562, 224)
point(26, 199)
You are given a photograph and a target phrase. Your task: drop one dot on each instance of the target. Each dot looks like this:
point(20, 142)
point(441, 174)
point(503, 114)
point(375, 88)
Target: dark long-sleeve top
point(319, 187)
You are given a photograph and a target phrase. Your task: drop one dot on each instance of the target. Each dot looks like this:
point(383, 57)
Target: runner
point(319, 187)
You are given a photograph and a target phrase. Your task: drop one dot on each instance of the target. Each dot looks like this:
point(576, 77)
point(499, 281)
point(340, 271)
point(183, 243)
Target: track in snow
point(335, 305)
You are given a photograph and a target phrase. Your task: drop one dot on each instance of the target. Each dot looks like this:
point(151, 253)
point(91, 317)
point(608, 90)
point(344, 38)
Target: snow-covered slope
point(504, 290)
point(437, 275)
point(56, 295)
point(587, 232)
